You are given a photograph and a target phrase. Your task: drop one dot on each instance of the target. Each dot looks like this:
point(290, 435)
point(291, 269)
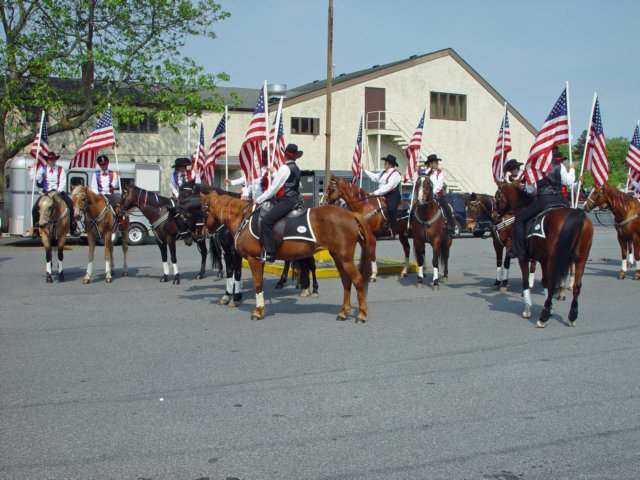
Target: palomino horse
point(101, 222)
point(626, 214)
point(564, 237)
point(55, 219)
point(157, 210)
point(428, 225)
point(330, 228)
point(373, 209)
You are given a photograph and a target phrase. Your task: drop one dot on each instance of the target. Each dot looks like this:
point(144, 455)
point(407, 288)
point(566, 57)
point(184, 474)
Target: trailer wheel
point(137, 234)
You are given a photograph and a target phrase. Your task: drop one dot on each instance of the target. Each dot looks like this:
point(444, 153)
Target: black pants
point(446, 209)
point(35, 211)
point(393, 200)
point(538, 205)
point(278, 211)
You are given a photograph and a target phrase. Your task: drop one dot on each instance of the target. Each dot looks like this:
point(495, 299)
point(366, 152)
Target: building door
point(374, 107)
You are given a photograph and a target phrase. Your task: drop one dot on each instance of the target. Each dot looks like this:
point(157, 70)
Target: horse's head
point(185, 221)
point(127, 199)
point(424, 190)
point(46, 206)
point(331, 192)
point(210, 222)
point(80, 201)
point(509, 197)
point(596, 198)
point(187, 189)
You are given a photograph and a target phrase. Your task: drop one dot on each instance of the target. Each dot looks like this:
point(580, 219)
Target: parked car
point(457, 202)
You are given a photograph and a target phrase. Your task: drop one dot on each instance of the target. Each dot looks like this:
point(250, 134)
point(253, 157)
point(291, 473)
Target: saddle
point(294, 226)
point(535, 226)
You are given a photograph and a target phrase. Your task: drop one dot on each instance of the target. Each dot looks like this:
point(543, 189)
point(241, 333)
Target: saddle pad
point(535, 226)
point(289, 228)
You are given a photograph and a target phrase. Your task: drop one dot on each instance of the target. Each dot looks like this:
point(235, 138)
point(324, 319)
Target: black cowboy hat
point(557, 155)
point(432, 158)
point(102, 159)
point(52, 155)
point(513, 163)
point(181, 162)
point(292, 151)
point(390, 159)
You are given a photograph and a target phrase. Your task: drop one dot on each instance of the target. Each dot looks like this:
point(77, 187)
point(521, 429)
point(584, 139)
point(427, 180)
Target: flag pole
point(362, 157)
point(504, 125)
point(115, 153)
point(588, 139)
point(276, 131)
point(574, 195)
point(226, 142)
point(266, 127)
point(34, 166)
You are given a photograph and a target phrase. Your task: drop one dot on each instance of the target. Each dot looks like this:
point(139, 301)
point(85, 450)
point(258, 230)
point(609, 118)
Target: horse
point(157, 210)
point(54, 223)
point(564, 237)
point(626, 214)
point(188, 217)
point(373, 209)
point(101, 221)
point(324, 223)
point(428, 225)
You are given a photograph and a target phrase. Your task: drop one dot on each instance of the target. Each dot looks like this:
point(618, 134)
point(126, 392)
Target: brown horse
point(55, 219)
point(626, 213)
point(428, 225)
point(101, 222)
point(564, 237)
point(373, 209)
point(335, 229)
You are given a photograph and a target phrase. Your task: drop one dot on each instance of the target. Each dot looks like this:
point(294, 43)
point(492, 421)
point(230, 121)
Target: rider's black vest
point(292, 185)
point(552, 183)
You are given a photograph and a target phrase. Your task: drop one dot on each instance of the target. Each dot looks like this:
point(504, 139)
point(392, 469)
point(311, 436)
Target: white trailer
point(20, 197)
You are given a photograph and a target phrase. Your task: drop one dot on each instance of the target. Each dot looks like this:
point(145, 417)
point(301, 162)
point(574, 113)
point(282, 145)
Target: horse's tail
point(566, 245)
point(216, 254)
point(367, 246)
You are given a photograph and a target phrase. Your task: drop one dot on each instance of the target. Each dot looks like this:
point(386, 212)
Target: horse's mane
point(235, 206)
point(207, 189)
point(618, 196)
point(151, 198)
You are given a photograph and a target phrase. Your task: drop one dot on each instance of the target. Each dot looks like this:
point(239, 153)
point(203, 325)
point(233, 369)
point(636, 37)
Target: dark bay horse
point(101, 222)
point(373, 209)
point(188, 217)
point(626, 214)
point(324, 222)
point(157, 210)
point(428, 225)
point(564, 238)
point(54, 223)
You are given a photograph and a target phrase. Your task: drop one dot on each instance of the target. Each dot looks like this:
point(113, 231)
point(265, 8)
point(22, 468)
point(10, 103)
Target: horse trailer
point(21, 193)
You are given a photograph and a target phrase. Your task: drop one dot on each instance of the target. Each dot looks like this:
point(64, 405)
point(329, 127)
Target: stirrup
point(266, 257)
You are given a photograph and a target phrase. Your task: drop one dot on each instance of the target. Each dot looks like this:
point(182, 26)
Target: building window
point(305, 126)
point(147, 124)
point(448, 106)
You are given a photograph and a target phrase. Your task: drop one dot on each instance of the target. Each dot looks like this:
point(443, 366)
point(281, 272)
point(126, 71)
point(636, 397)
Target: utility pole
point(327, 161)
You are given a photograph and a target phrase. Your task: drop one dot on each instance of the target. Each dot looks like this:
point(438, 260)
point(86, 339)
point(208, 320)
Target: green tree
point(72, 57)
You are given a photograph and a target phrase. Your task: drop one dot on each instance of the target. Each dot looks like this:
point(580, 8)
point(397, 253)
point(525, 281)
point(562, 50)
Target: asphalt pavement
point(142, 380)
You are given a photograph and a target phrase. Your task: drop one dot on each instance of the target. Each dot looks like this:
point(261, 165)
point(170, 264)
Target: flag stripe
point(503, 147)
point(413, 150)
point(101, 137)
point(595, 151)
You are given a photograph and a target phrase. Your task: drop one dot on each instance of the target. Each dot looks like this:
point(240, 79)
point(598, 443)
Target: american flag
point(503, 147)
point(554, 132)
point(277, 154)
point(356, 162)
point(217, 149)
point(251, 151)
point(633, 155)
point(101, 137)
point(41, 160)
point(197, 159)
point(413, 150)
point(635, 175)
point(595, 153)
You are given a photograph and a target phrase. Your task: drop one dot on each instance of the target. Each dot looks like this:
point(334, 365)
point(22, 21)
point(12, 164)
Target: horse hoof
point(224, 301)
point(373, 279)
point(420, 284)
point(176, 280)
point(60, 277)
point(496, 285)
point(360, 319)
point(279, 286)
point(570, 323)
point(402, 275)
point(435, 286)
point(49, 279)
point(256, 317)
point(125, 274)
point(86, 281)
point(540, 324)
point(445, 279)
point(341, 318)
point(527, 312)
point(621, 276)
point(164, 279)
point(561, 297)
point(108, 280)
point(636, 276)
point(315, 295)
point(200, 276)
point(503, 289)
point(305, 293)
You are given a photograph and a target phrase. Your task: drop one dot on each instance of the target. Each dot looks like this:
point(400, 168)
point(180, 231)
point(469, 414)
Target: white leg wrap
point(637, 264)
point(505, 274)
point(229, 288)
point(165, 268)
point(238, 286)
point(435, 273)
point(260, 299)
point(527, 296)
point(107, 266)
point(60, 267)
point(532, 279)
point(624, 264)
point(175, 268)
point(420, 271)
point(90, 268)
point(499, 274)
point(49, 267)
point(374, 268)
point(631, 258)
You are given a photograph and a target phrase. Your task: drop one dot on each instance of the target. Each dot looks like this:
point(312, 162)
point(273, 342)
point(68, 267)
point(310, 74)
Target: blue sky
point(525, 49)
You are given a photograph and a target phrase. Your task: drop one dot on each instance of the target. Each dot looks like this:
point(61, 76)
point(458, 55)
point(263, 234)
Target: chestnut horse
point(335, 229)
point(565, 237)
point(373, 209)
point(428, 225)
point(101, 222)
point(626, 214)
point(55, 220)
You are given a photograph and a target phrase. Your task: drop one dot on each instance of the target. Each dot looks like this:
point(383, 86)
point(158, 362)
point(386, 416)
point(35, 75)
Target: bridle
point(590, 202)
point(52, 222)
point(424, 199)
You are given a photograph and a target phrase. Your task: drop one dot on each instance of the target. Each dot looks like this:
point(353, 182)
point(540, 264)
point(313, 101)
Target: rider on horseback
point(104, 182)
point(549, 191)
point(285, 189)
point(389, 180)
point(437, 180)
point(181, 176)
point(258, 185)
point(512, 170)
